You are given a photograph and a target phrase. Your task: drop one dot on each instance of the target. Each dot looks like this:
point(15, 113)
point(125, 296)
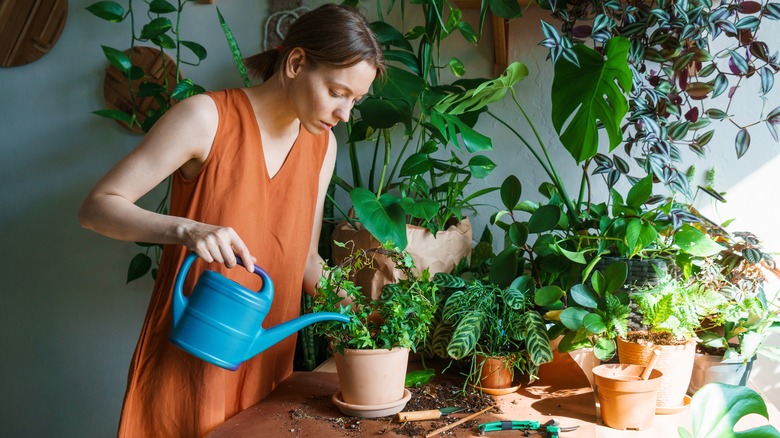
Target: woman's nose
point(342, 112)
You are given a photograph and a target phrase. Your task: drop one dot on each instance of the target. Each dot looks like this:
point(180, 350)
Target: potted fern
point(371, 350)
point(672, 311)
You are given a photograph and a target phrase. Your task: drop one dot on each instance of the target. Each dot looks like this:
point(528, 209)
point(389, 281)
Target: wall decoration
point(29, 29)
point(157, 70)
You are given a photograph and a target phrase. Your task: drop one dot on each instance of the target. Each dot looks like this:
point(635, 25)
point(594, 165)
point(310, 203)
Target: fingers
point(220, 245)
point(243, 251)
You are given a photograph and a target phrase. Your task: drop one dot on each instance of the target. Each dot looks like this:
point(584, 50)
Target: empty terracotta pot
point(627, 401)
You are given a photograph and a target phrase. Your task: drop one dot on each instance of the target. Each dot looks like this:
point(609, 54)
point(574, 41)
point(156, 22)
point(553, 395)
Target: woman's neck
point(272, 107)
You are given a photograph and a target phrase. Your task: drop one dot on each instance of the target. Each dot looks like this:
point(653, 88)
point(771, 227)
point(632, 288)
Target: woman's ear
point(296, 60)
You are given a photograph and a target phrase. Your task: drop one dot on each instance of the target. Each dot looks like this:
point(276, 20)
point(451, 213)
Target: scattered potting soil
point(433, 395)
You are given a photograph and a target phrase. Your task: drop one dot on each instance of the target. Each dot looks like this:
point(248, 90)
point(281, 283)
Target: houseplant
point(423, 180)
point(496, 327)
point(718, 407)
point(682, 56)
point(736, 331)
point(672, 311)
point(380, 331)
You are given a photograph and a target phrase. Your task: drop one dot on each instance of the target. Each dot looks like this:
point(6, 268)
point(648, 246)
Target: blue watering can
point(221, 320)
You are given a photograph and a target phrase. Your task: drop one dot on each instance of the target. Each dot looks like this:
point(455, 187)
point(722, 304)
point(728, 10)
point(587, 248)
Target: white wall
point(68, 322)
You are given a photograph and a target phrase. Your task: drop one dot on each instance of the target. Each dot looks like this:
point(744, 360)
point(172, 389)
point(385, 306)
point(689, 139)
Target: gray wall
point(69, 323)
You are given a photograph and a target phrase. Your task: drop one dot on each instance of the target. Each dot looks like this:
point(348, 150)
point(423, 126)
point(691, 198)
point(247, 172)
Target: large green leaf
point(484, 94)
point(695, 242)
point(589, 94)
point(399, 84)
point(536, 341)
point(571, 317)
point(420, 208)
point(390, 36)
point(544, 219)
point(717, 407)
point(584, 296)
point(465, 336)
point(107, 10)
point(385, 113)
point(511, 190)
point(504, 268)
point(640, 192)
point(604, 349)
point(383, 217)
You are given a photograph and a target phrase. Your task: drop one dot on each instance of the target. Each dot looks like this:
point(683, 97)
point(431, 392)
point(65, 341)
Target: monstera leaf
point(589, 94)
point(717, 407)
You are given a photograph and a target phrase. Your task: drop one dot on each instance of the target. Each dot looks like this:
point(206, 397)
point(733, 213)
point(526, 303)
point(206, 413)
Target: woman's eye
point(335, 94)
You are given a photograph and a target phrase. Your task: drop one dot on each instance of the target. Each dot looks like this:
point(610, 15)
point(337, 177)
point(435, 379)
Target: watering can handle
point(180, 301)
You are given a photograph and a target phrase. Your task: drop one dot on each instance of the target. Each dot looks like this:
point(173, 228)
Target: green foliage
point(677, 72)
point(489, 320)
point(677, 307)
point(161, 32)
point(400, 318)
point(717, 407)
point(423, 178)
point(597, 313)
point(595, 102)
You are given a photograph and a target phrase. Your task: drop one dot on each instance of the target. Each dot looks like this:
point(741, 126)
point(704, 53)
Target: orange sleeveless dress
point(169, 392)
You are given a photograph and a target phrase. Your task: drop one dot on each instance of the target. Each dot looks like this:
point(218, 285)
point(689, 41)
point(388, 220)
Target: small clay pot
point(497, 372)
point(627, 401)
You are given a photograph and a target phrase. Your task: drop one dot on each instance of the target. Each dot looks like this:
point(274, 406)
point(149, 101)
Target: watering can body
point(220, 321)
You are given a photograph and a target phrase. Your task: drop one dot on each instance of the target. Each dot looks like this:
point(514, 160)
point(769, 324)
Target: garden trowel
point(426, 415)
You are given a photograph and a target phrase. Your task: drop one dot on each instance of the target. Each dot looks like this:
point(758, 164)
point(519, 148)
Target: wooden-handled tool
point(458, 423)
point(651, 364)
point(426, 415)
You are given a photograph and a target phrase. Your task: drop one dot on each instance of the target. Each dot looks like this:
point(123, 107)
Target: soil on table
point(431, 396)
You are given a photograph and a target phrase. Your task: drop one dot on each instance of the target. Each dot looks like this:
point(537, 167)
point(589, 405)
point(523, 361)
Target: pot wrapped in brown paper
point(439, 254)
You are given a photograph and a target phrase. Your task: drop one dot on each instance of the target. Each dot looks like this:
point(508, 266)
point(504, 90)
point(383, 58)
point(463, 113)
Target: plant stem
point(386, 136)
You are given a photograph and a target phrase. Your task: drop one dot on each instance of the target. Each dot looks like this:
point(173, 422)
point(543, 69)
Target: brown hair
point(332, 35)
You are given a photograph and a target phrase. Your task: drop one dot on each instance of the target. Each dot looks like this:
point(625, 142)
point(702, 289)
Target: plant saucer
point(666, 410)
point(497, 391)
point(370, 411)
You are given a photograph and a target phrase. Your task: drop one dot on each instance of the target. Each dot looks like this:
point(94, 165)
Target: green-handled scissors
point(552, 427)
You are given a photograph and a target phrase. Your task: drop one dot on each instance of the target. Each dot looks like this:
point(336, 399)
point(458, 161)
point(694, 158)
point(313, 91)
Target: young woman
point(250, 169)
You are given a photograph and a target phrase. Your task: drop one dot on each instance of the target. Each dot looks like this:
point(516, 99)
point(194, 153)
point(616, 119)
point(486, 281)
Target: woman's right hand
point(216, 244)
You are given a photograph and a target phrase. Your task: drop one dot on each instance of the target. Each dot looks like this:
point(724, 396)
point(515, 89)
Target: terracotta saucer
point(370, 411)
point(498, 391)
point(665, 410)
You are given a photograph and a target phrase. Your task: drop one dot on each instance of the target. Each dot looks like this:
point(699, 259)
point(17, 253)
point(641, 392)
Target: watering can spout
point(266, 338)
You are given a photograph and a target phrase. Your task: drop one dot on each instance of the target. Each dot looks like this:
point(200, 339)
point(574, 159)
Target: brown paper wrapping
point(439, 254)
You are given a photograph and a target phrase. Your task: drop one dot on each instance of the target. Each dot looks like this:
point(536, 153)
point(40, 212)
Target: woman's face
point(324, 96)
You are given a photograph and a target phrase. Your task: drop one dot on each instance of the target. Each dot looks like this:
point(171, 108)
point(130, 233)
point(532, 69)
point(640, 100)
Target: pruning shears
point(551, 428)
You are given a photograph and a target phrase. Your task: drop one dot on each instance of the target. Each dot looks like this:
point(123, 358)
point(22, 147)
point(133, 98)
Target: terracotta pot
point(708, 369)
point(675, 362)
point(372, 377)
point(496, 372)
point(627, 401)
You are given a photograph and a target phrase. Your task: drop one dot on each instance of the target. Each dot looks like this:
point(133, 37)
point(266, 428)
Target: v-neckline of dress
point(264, 164)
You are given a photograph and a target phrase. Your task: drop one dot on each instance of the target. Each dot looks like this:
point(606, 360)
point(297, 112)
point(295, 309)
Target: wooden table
point(301, 407)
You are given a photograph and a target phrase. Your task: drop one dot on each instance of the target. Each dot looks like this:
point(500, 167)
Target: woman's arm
point(314, 262)
point(181, 139)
